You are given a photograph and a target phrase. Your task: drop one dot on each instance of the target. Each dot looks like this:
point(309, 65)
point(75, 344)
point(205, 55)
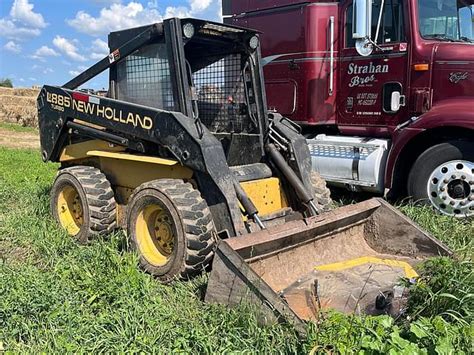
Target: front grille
point(221, 96)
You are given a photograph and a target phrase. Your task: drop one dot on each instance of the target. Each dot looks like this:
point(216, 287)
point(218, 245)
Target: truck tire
point(170, 226)
point(443, 176)
point(322, 194)
point(82, 202)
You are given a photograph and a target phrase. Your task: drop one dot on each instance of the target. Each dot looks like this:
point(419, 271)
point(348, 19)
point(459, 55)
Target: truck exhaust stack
point(341, 260)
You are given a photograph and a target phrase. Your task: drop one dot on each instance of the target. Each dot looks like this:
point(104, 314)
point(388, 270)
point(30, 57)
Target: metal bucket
point(350, 259)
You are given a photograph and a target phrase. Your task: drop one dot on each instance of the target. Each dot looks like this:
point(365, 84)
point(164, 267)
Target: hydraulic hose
point(247, 204)
point(305, 197)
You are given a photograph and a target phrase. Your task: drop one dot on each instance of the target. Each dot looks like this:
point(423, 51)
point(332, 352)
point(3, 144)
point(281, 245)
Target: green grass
point(17, 128)
point(58, 296)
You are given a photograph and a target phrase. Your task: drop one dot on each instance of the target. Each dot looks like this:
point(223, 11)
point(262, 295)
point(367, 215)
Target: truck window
point(445, 20)
point(391, 27)
point(466, 19)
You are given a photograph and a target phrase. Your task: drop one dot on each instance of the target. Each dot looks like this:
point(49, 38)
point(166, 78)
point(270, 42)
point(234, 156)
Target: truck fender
point(450, 118)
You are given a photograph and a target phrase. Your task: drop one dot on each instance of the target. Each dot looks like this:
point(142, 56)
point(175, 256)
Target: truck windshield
point(446, 20)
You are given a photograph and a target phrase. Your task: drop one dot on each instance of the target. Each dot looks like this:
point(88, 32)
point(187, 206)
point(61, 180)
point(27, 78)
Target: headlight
point(188, 30)
point(253, 42)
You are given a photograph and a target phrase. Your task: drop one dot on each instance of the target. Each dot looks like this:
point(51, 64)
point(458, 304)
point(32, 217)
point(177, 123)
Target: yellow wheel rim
point(154, 234)
point(70, 210)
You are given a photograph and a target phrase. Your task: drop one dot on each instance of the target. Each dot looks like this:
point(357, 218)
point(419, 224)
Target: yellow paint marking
point(133, 157)
point(343, 265)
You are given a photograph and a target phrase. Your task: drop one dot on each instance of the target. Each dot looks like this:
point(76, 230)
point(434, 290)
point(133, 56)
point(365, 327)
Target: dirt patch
point(12, 254)
point(12, 139)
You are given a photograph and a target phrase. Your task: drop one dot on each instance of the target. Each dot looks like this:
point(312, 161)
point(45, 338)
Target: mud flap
point(350, 259)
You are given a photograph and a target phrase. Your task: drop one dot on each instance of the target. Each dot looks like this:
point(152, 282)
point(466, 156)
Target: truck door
point(366, 83)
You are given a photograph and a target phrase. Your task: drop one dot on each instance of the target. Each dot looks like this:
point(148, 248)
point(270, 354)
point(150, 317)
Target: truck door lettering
point(367, 69)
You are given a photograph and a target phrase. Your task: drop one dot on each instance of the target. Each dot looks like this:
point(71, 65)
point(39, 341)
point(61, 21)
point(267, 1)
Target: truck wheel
point(171, 228)
point(444, 176)
point(83, 203)
point(322, 194)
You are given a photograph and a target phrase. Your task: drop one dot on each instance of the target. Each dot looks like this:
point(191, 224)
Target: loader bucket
point(350, 259)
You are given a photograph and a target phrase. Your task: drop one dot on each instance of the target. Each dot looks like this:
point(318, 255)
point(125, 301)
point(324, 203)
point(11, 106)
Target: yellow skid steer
point(183, 154)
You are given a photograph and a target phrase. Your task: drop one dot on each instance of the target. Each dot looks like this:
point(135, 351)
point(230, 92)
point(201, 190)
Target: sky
point(52, 41)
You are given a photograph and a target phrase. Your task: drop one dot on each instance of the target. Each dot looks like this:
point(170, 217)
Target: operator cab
point(207, 71)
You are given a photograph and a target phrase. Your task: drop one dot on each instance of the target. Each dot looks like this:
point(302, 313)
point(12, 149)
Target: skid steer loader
point(183, 154)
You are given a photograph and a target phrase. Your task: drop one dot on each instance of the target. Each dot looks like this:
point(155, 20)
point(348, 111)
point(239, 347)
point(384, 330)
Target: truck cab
point(384, 90)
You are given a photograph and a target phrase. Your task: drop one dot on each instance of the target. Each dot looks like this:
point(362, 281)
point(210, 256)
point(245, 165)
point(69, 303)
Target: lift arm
point(123, 51)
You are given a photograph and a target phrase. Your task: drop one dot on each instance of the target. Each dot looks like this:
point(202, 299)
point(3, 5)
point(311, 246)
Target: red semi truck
point(384, 90)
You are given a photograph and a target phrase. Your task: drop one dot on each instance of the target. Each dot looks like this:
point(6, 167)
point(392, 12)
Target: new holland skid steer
point(183, 155)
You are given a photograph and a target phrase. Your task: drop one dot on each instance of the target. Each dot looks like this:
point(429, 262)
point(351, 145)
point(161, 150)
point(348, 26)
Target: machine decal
point(90, 105)
point(455, 78)
point(114, 56)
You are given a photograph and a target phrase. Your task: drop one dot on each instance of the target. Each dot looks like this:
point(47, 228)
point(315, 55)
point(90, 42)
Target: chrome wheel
point(451, 188)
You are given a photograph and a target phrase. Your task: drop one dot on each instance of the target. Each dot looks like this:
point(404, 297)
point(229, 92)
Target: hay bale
point(19, 92)
point(19, 106)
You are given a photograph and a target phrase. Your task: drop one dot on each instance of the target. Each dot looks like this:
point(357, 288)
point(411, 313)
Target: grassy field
point(13, 127)
point(57, 296)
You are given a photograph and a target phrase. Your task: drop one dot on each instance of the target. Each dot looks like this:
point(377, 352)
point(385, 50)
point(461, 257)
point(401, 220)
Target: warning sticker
point(114, 56)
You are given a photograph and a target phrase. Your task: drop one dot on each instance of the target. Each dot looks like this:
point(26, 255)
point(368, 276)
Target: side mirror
point(398, 100)
point(362, 26)
point(362, 19)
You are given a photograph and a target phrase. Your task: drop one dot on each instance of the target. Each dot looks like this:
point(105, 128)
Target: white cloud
point(199, 5)
point(48, 70)
point(195, 8)
point(45, 51)
point(10, 30)
point(120, 16)
point(152, 4)
point(22, 11)
point(179, 11)
point(68, 48)
point(113, 18)
point(12, 47)
point(99, 49)
point(22, 23)
point(78, 70)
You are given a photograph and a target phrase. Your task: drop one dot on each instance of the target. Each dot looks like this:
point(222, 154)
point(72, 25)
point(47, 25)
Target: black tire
point(191, 225)
point(429, 162)
point(94, 197)
point(322, 195)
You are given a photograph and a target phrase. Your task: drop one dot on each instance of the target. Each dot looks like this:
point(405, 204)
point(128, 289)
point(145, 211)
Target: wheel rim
point(70, 211)
point(155, 234)
point(451, 188)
